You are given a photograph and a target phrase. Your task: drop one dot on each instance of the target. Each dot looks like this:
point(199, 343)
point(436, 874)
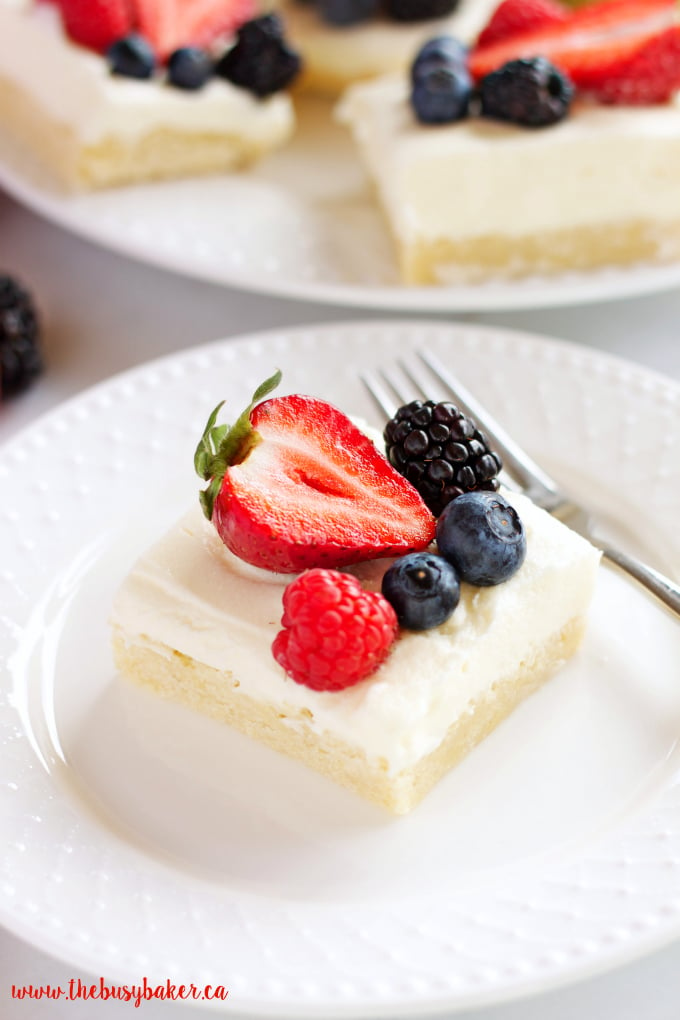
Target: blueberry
point(132, 57)
point(418, 10)
point(482, 536)
point(531, 92)
point(442, 50)
point(189, 68)
point(423, 590)
point(347, 12)
point(441, 94)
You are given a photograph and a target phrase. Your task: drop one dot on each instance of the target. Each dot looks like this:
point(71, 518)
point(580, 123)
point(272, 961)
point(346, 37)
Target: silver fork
point(518, 466)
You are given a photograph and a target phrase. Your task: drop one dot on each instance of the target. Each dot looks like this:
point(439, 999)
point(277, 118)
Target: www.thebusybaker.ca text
point(135, 994)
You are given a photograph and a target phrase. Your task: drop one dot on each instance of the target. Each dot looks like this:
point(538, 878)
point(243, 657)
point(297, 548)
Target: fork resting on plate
point(521, 470)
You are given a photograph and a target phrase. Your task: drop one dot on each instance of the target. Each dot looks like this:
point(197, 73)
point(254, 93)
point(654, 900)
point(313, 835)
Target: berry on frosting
point(261, 60)
point(295, 484)
point(189, 68)
point(531, 91)
point(441, 86)
point(483, 537)
point(347, 12)
point(515, 17)
point(418, 10)
point(131, 57)
point(169, 24)
point(637, 41)
point(423, 588)
point(96, 23)
point(334, 632)
point(440, 451)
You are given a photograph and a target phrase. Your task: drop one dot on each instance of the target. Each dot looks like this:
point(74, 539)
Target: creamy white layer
point(377, 45)
point(188, 593)
point(75, 88)
point(480, 178)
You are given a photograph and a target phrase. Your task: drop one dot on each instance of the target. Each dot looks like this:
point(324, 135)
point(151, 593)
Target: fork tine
point(516, 461)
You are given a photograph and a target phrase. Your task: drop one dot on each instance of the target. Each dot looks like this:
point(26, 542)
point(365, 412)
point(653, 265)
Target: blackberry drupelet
point(20, 357)
point(261, 60)
point(531, 92)
point(440, 451)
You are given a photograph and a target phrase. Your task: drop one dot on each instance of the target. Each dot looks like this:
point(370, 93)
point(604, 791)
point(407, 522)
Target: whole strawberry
point(295, 484)
point(334, 632)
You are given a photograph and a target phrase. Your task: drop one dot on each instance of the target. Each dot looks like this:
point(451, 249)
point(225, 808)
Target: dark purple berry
point(440, 451)
point(261, 60)
point(531, 92)
point(423, 589)
point(418, 10)
point(189, 68)
point(483, 537)
point(347, 12)
point(20, 357)
point(132, 57)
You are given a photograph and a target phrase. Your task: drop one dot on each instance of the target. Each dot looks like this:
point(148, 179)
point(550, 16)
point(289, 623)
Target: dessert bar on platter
point(375, 628)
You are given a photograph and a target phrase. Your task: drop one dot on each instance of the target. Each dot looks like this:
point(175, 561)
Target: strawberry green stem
point(220, 446)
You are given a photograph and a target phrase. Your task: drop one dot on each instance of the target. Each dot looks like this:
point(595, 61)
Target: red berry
point(335, 633)
point(596, 42)
point(295, 484)
point(96, 23)
point(173, 24)
point(513, 17)
point(651, 75)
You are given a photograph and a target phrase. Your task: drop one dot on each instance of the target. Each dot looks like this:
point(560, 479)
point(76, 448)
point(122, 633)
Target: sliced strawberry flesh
point(95, 23)
point(315, 491)
point(592, 40)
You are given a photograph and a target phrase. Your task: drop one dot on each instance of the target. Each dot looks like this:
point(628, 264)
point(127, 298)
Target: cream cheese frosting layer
point(479, 177)
point(189, 594)
point(377, 45)
point(74, 87)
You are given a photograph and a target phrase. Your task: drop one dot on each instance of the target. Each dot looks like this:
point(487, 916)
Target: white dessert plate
point(143, 841)
point(304, 224)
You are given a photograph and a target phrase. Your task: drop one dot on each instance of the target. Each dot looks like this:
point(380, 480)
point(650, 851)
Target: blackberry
point(261, 60)
point(440, 451)
point(531, 92)
point(20, 358)
point(418, 10)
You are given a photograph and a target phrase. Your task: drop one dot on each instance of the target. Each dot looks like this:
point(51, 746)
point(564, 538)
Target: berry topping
point(440, 451)
point(593, 44)
point(514, 17)
point(131, 57)
point(441, 83)
point(483, 537)
point(20, 359)
point(295, 484)
point(335, 633)
point(424, 590)
point(95, 23)
point(531, 92)
point(173, 24)
point(261, 60)
point(189, 68)
point(418, 10)
point(347, 12)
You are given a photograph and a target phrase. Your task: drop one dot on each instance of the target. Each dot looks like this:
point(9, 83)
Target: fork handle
point(665, 590)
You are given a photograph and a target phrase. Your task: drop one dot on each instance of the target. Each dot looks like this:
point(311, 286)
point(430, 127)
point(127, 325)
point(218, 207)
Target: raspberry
point(440, 451)
point(335, 633)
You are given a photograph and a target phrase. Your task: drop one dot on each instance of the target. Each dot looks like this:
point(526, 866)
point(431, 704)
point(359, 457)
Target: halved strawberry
point(652, 75)
point(171, 24)
point(514, 17)
point(95, 23)
point(295, 484)
point(589, 45)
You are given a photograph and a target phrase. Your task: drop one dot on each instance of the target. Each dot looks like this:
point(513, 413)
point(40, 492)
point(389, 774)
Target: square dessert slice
point(95, 129)
point(336, 55)
point(195, 623)
point(478, 198)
